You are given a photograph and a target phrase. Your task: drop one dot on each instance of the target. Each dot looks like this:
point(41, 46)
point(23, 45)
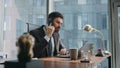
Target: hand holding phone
point(49, 30)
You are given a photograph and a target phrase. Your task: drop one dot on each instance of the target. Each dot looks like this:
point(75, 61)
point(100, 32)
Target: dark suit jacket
point(41, 45)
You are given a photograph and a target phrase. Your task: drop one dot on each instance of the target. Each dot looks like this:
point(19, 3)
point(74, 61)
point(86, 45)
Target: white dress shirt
point(48, 39)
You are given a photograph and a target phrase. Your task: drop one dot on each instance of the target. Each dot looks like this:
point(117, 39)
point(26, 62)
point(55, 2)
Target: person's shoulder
point(37, 30)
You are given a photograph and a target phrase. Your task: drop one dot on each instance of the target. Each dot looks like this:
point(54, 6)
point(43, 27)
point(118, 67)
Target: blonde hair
point(25, 44)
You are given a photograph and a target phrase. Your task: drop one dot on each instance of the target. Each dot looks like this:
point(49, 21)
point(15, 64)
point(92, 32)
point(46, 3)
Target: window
point(79, 23)
point(80, 2)
point(1, 25)
point(79, 14)
point(104, 21)
point(104, 1)
point(17, 13)
point(71, 22)
point(39, 3)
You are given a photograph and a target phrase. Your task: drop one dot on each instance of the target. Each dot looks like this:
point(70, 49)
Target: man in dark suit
point(47, 41)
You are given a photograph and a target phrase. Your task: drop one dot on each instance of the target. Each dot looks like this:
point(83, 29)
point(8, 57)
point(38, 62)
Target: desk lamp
point(89, 28)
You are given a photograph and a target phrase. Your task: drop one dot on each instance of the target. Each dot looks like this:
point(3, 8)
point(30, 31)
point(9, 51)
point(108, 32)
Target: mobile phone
point(50, 21)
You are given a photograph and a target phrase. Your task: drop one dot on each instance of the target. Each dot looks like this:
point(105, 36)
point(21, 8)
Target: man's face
point(57, 23)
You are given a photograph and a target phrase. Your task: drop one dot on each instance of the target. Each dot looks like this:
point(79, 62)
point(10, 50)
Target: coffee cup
point(73, 54)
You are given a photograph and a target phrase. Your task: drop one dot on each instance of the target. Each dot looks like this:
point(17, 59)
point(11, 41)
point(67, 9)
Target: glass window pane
point(79, 23)
point(17, 14)
point(82, 2)
point(1, 25)
point(104, 1)
point(80, 13)
point(28, 12)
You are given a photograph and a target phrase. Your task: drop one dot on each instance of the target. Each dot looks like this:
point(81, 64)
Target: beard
point(57, 29)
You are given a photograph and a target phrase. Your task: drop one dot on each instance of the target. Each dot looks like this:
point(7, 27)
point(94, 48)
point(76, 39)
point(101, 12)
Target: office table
point(56, 62)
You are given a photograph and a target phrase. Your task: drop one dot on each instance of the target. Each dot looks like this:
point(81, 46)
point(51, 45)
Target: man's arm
point(62, 48)
point(40, 44)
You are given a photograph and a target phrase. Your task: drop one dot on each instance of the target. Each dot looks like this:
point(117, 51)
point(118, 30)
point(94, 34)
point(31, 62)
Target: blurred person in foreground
point(25, 46)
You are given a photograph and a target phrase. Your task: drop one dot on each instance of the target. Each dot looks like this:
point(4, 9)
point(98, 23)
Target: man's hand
point(49, 30)
point(63, 52)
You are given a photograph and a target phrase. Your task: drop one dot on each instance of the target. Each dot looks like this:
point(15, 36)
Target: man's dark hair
point(52, 16)
point(55, 14)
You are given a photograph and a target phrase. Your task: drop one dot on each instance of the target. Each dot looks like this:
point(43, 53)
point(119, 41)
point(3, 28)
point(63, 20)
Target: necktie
point(56, 47)
point(50, 47)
